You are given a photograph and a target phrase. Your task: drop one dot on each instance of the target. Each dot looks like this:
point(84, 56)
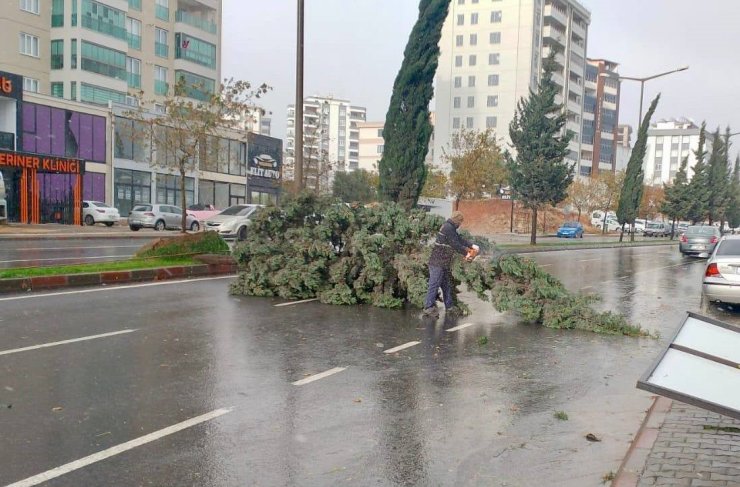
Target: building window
point(73, 90)
point(30, 6)
point(133, 33)
point(494, 38)
point(491, 122)
point(461, 2)
point(160, 81)
point(474, 19)
point(168, 190)
point(459, 39)
point(473, 39)
point(471, 81)
point(161, 48)
point(458, 61)
point(101, 18)
point(133, 71)
point(196, 87)
point(98, 95)
point(456, 123)
point(492, 80)
point(57, 54)
point(458, 81)
point(496, 16)
point(162, 10)
point(380, 133)
point(29, 44)
point(380, 149)
point(134, 4)
point(195, 50)
point(57, 13)
point(131, 188)
point(494, 58)
point(30, 84)
point(57, 89)
point(104, 61)
point(471, 102)
point(492, 101)
point(456, 102)
point(73, 54)
point(472, 60)
point(461, 19)
point(469, 122)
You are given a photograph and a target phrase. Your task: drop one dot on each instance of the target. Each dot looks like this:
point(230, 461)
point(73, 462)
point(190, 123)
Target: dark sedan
point(699, 240)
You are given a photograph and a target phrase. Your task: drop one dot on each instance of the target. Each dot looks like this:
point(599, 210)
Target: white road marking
point(296, 302)
point(307, 380)
point(78, 248)
point(55, 259)
point(589, 260)
point(401, 347)
point(123, 447)
point(65, 342)
point(457, 328)
point(545, 265)
point(116, 288)
point(586, 287)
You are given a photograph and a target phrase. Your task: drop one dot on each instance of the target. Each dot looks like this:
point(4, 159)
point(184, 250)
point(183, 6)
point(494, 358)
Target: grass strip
point(124, 265)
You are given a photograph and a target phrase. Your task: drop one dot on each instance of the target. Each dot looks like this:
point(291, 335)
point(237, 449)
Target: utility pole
point(298, 152)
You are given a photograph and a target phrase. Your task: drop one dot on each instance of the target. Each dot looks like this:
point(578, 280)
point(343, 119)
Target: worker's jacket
point(448, 242)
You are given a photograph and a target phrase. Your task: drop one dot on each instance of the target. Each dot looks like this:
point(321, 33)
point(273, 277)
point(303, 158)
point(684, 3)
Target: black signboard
point(11, 85)
point(265, 157)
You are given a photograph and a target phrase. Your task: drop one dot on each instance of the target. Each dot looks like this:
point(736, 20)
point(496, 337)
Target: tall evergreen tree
point(733, 205)
point(718, 181)
point(539, 174)
point(676, 200)
point(407, 126)
point(698, 190)
point(631, 195)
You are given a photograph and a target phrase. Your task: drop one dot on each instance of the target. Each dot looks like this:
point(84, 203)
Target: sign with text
point(41, 163)
point(11, 85)
point(265, 156)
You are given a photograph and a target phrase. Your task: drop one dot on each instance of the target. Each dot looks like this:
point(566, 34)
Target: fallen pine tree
point(314, 247)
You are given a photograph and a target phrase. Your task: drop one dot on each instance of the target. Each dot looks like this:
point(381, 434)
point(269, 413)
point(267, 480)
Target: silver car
point(232, 222)
point(97, 212)
point(159, 217)
point(722, 274)
point(699, 240)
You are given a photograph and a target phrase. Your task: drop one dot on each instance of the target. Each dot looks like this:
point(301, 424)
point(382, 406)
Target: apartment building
point(624, 146)
point(372, 145)
point(600, 118)
point(331, 133)
point(491, 56)
point(668, 143)
point(111, 50)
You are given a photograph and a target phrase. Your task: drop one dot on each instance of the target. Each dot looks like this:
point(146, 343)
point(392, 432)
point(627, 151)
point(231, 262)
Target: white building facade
point(491, 57)
point(668, 143)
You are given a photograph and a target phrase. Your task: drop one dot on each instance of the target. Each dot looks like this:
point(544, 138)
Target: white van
point(3, 201)
point(597, 217)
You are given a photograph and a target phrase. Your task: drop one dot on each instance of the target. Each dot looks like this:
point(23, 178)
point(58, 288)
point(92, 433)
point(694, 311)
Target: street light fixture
point(642, 83)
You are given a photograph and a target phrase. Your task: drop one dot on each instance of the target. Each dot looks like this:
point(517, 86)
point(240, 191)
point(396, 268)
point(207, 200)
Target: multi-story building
point(600, 117)
point(371, 145)
point(491, 57)
point(668, 143)
point(96, 51)
point(331, 134)
point(624, 146)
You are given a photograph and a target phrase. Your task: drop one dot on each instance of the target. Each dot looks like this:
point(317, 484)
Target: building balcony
point(107, 28)
point(578, 29)
point(556, 14)
point(202, 23)
point(551, 32)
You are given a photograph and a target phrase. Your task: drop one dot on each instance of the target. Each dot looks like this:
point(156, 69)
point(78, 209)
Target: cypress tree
point(733, 204)
point(631, 195)
point(698, 189)
point(676, 201)
point(719, 177)
point(407, 126)
point(539, 174)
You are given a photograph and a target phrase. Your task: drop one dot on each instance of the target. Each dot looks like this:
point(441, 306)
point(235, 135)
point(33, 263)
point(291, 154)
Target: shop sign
point(11, 85)
point(265, 156)
point(41, 163)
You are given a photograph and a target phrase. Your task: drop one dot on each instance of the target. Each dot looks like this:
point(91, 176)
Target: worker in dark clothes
point(440, 262)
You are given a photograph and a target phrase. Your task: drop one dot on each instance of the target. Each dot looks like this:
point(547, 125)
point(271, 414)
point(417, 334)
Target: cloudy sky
point(354, 49)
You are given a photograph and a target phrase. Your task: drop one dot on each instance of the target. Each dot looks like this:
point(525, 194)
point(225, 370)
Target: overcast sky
point(354, 49)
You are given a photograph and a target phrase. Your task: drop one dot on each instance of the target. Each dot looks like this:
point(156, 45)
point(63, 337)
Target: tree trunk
point(632, 232)
point(533, 236)
point(673, 228)
point(621, 232)
point(456, 203)
point(579, 214)
point(183, 201)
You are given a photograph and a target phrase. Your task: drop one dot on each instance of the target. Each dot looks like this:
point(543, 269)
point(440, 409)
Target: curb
point(80, 236)
point(634, 462)
point(559, 249)
point(45, 283)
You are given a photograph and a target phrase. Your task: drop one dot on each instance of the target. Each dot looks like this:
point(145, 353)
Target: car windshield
point(238, 210)
point(729, 248)
point(570, 225)
point(99, 204)
point(142, 208)
point(701, 231)
point(654, 225)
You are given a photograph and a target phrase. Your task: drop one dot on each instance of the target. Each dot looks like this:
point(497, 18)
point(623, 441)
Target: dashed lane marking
point(316, 377)
point(296, 302)
point(401, 347)
point(65, 342)
point(461, 327)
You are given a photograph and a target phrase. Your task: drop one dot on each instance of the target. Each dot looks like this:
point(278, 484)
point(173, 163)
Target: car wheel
point(241, 235)
point(134, 228)
point(89, 220)
point(194, 227)
point(159, 226)
point(108, 224)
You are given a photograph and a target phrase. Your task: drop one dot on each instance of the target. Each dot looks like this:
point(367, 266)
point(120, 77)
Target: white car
point(232, 222)
point(96, 212)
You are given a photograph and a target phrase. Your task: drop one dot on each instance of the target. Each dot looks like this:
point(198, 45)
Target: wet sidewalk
point(682, 445)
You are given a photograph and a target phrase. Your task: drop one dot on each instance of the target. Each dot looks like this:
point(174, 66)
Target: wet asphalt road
point(446, 411)
point(34, 253)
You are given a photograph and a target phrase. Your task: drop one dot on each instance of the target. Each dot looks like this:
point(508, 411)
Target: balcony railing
point(104, 27)
point(134, 41)
point(195, 21)
point(161, 87)
point(134, 80)
point(161, 50)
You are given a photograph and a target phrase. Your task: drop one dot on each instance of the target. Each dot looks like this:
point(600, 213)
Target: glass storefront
point(131, 187)
point(221, 195)
point(169, 193)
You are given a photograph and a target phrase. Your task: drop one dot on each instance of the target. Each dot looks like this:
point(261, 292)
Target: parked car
point(203, 212)
point(699, 240)
point(232, 222)
point(657, 229)
point(640, 226)
point(570, 230)
point(682, 227)
point(97, 212)
point(722, 274)
point(160, 217)
point(597, 218)
point(612, 225)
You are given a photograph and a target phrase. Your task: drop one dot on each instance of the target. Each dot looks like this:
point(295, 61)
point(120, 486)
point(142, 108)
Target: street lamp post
point(298, 150)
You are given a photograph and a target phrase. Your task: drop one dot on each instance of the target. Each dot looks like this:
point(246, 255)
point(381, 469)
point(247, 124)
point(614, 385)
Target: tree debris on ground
point(315, 247)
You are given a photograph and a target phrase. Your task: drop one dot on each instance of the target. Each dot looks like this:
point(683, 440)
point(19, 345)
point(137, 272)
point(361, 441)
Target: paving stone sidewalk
point(691, 451)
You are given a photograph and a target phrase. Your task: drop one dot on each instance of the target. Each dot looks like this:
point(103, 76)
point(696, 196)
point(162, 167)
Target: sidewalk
point(682, 445)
